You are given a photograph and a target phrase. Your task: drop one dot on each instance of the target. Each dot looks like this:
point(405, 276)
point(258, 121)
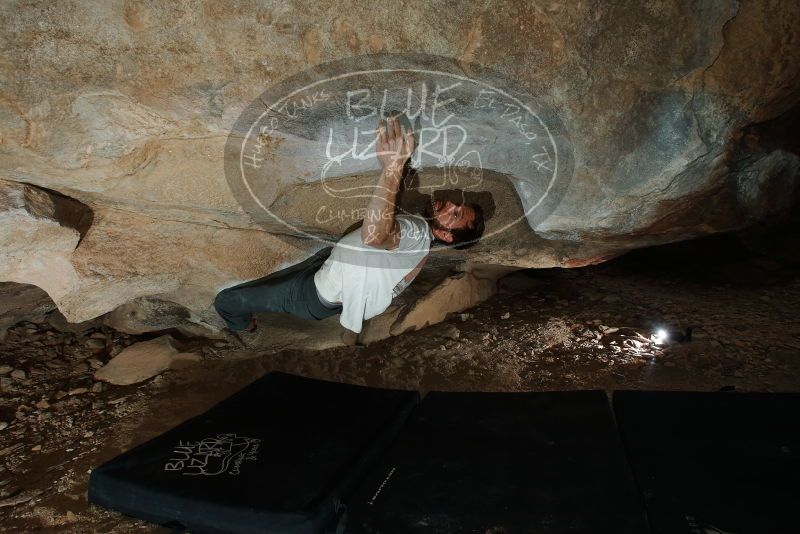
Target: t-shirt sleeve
point(353, 303)
point(352, 316)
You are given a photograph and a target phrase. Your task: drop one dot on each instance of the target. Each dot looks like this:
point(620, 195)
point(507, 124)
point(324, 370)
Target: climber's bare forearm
point(379, 222)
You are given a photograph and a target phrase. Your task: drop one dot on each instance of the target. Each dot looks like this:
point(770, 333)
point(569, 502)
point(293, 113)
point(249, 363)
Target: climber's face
point(446, 216)
point(451, 216)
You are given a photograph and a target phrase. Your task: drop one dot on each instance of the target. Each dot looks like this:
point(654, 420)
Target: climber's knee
point(226, 301)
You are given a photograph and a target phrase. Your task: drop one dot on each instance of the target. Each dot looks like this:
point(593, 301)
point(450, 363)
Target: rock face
point(141, 361)
point(114, 119)
point(39, 230)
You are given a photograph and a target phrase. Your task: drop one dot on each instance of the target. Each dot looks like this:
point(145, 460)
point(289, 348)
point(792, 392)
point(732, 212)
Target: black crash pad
point(502, 463)
point(276, 457)
point(714, 462)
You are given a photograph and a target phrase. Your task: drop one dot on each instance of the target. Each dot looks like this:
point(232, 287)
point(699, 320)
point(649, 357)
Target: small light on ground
point(660, 336)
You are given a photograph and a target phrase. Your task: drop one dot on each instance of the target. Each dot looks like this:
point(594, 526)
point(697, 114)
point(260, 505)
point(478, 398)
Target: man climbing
point(360, 275)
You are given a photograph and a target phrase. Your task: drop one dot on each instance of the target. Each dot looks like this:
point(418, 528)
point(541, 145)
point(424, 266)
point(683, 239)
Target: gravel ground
point(553, 329)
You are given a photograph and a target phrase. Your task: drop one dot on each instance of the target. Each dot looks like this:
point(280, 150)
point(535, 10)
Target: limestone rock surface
point(141, 361)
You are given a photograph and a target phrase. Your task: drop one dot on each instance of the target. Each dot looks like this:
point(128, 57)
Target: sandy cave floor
point(550, 330)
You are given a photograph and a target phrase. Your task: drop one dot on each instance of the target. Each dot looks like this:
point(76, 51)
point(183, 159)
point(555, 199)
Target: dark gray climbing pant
point(291, 290)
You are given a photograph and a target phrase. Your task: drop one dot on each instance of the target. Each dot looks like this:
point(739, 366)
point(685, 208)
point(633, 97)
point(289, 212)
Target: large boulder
point(142, 361)
point(123, 110)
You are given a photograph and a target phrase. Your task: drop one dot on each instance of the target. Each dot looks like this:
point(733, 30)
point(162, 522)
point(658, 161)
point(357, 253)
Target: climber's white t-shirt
point(362, 277)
